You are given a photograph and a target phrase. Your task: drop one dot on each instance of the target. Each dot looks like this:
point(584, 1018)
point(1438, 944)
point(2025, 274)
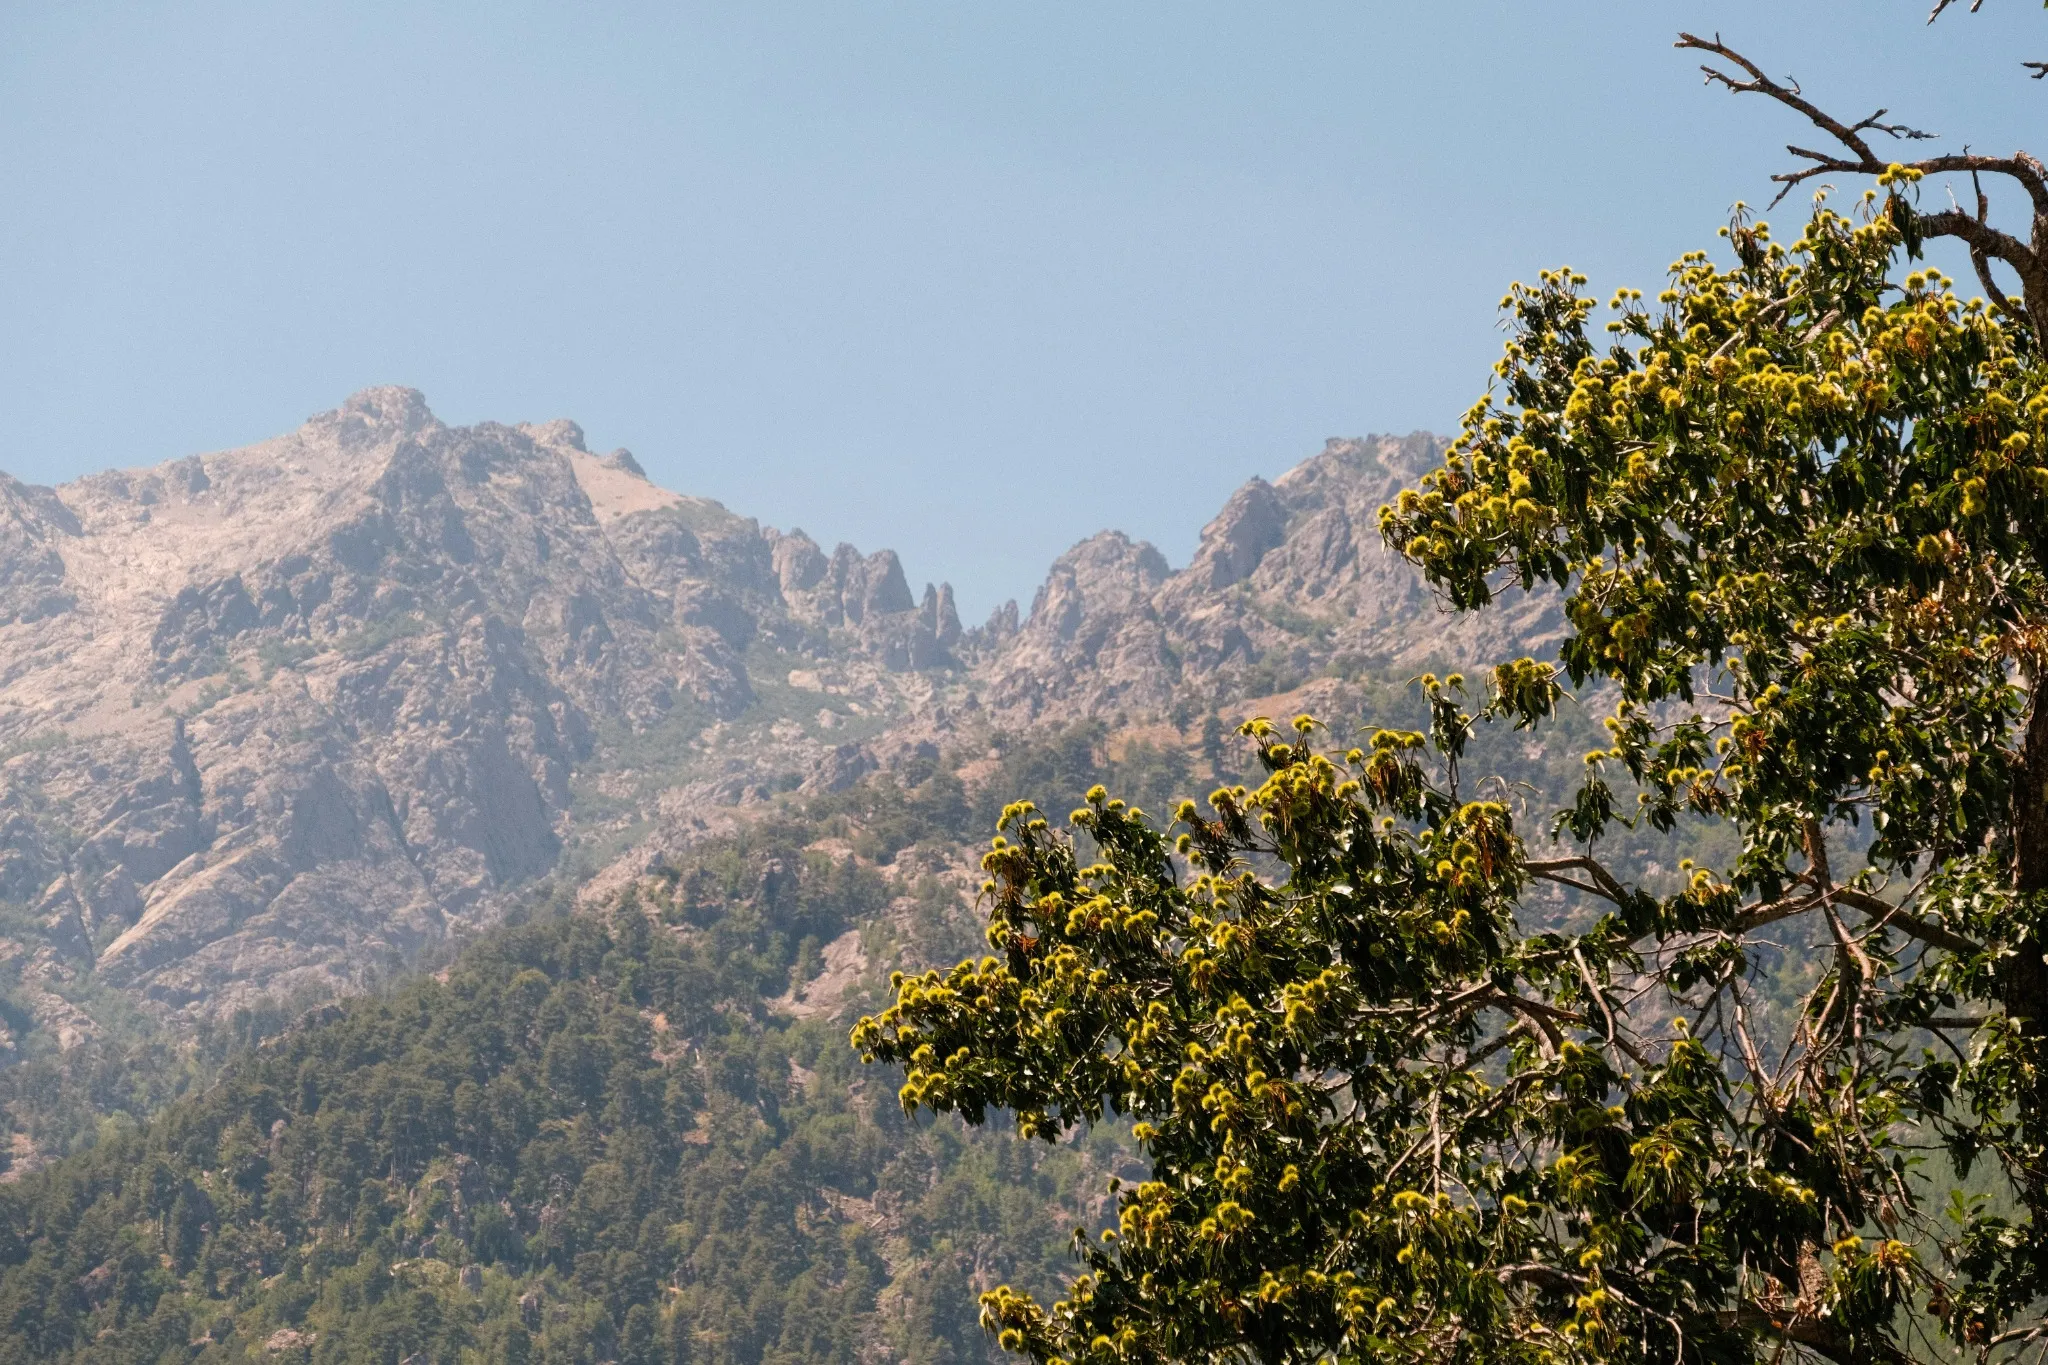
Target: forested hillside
point(628, 1131)
point(589, 1139)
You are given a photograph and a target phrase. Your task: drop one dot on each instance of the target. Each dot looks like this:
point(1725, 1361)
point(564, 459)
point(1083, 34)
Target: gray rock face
point(283, 716)
point(1251, 523)
point(1094, 641)
point(273, 720)
point(1290, 580)
point(34, 525)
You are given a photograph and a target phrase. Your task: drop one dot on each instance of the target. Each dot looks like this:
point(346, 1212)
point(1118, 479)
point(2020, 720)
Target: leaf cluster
point(1797, 512)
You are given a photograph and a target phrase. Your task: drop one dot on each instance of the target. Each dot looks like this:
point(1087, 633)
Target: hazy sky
point(965, 278)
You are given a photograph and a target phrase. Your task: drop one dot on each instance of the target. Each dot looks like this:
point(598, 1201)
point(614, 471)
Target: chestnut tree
point(1796, 510)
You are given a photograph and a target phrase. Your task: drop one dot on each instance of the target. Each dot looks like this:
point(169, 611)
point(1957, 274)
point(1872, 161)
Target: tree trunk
point(2024, 976)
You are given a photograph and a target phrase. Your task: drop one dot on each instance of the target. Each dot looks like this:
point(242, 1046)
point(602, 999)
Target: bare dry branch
point(2039, 69)
point(2029, 256)
point(1848, 134)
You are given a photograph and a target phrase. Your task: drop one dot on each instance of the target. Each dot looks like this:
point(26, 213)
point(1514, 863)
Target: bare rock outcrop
point(1094, 640)
point(1290, 581)
point(274, 720)
point(34, 525)
point(282, 716)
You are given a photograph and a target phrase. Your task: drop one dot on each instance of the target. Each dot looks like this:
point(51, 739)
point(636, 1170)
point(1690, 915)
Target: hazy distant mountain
point(1290, 580)
point(276, 718)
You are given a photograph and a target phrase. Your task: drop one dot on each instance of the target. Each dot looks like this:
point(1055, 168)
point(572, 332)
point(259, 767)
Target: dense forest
point(590, 1141)
point(593, 1136)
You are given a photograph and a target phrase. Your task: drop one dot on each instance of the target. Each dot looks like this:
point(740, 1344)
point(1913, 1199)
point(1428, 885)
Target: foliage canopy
point(1797, 512)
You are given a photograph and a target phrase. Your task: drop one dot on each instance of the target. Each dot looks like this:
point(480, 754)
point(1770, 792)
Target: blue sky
point(968, 279)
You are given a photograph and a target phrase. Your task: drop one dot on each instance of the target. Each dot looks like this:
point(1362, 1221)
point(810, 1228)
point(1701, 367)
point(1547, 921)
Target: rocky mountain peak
point(1251, 523)
point(375, 415)
point(560, 432)
point(274, 719)
point(1290, 582)
point(285, 714)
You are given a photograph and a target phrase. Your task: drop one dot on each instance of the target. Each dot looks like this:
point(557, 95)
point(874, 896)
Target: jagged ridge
point(282, 716)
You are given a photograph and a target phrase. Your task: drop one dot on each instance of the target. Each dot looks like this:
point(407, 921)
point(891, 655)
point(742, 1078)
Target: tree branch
point(1795, 1327)
point(1980, 260)
point(1606, 886)
point(1981, 237)
point(2020, 166)
point(2039, 69)
point(1848, 134)
point(1541, 1015)
point(1888, 915)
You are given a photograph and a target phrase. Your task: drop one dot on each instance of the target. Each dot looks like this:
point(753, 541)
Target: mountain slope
point(1289, 580)
point(290, 713)
point(282, 720)
point(592, 1139)
point(276, 720)
point(631, 1133)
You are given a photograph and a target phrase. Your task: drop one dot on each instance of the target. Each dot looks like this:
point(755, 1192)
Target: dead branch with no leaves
point(2027, 256)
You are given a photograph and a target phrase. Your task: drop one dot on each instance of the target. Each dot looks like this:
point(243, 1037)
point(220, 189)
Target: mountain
point(591, 1139)
point(283, 715)
point(277, 720)
point(602, 810)
point(1290, 580)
